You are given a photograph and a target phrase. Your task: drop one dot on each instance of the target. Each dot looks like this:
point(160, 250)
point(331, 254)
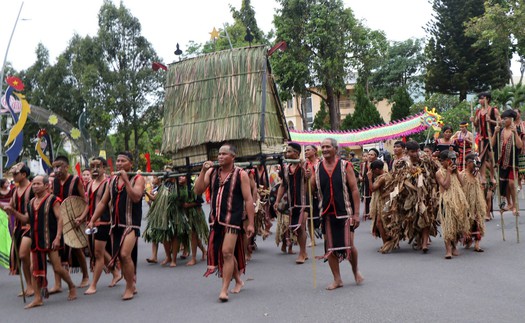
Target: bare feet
point(28, 293)
point(290, 251)
point(72, 294)
point(192, 262)
point(165, 261)
point(173, 264)
point(90, 291)
point(55, 290)
point(223, 297)
point(204, 255)
point(334, 285)
point(358, 278)
point(115, 280)
point(301, 259)
point(237, 288)
point(151, 260)
point(84, 282)
point(455, 252)
point(283, 248)
point(34, 304)
point(128, 294)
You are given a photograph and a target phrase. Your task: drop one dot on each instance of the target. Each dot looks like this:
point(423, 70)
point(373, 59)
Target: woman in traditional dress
point(191, 206)
point(452, 204)
point(446, 142)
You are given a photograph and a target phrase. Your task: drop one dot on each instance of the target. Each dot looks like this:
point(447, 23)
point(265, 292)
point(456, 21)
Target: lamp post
point(2, 90)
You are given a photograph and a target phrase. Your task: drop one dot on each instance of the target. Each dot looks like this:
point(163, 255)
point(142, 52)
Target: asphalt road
point(404, 286)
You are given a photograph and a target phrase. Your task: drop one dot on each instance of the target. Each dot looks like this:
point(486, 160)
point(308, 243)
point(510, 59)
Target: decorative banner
point(16, 134)
point(44, 148)
point(392, 130)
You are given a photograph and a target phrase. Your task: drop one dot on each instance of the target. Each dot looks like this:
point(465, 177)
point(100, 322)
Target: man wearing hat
point(294, 182)
point(464, 140)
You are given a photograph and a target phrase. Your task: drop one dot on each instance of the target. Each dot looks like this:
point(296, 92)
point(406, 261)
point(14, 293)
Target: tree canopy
point(455, 65)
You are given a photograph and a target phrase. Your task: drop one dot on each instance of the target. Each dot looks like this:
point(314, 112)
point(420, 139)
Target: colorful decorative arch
point(397, 129)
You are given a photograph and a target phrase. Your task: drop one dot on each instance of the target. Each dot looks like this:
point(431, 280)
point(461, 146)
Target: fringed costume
point(507, 161)
point(103, 224)
point(226, 216)
point(44, 226)
point(464, 149)
point(162, 213)
point(377, 204)
point(477, 206)
point(453, 208)
point(413, 202)
point(194, 215)
point(63, 191)
point(19, 201)
point(294, 182)
point(335, 202)
point(125, 217)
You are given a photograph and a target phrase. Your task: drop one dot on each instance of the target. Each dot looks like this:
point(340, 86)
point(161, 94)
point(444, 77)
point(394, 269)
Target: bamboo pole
point(502, 222)
point(215, 164)
point(516, 179)
point(314, 268)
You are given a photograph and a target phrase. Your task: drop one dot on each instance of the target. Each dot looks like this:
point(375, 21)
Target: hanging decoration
point(16, 134)
point(44, 148)
point(392, 130)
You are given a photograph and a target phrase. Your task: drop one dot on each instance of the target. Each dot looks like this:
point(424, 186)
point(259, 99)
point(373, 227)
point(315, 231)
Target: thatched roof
point(223, 96)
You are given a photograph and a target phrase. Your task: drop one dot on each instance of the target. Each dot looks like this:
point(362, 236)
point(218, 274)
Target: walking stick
point(18, 262)
point(516, 202)
point(464, 148)
point(499, 192)
point(497, 177)
point(314, 271)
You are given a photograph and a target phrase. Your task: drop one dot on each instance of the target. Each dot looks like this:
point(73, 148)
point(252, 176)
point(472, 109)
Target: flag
point(279, 46)
point(148, 162)
point(156, 65)
point(110, 164)
point(78, 169)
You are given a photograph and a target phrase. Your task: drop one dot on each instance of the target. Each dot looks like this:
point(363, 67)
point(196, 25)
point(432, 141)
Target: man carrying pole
point(230, 196)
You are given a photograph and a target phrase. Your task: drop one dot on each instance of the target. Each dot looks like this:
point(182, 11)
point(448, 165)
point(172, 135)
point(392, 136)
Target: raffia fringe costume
point(453, 210)
point(477, 205)
point(413, 202)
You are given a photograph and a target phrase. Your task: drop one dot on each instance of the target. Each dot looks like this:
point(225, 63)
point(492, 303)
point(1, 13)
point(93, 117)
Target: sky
point(168, 22)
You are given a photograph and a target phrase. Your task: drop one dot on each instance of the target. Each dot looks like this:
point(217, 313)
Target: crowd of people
point(410, 195)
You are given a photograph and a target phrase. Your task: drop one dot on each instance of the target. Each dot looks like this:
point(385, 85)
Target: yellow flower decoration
point(53, 119)
point(75, 133)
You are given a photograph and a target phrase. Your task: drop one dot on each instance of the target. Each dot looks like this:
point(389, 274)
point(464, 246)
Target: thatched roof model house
point(226, 96)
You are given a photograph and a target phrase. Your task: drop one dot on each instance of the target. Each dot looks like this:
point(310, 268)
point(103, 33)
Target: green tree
point(133, 92)
point(454, 65)
point(401, 106)
point(370, 53)
point(502, 21)
point(365, 113)
point(246, 15)
point(319, 35)
point(321, 119)
point(402, 67)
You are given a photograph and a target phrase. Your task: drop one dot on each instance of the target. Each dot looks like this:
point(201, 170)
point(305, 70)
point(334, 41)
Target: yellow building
point(312, 104)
